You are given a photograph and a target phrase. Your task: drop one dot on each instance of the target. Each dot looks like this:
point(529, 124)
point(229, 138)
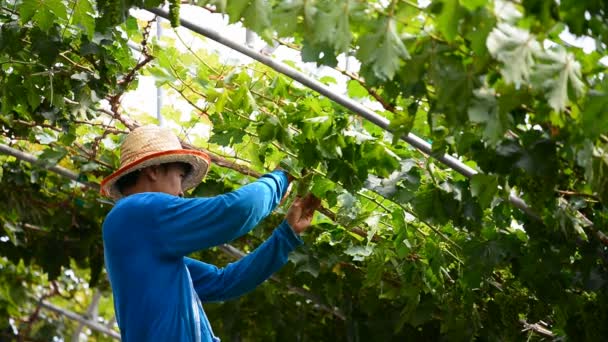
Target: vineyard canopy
point(404, 246)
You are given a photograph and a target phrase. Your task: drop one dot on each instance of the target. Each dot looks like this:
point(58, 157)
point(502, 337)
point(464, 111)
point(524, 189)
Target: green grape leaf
point(322, 54)
point(556, 71)
point(401, 124)
point(516, 48)
point(285, 16)
point(321, 186)
point(13, 232)
point(359, 253)
point(595, 116)
point(83, 16)
point(42, 12)
point(227, 136)
point(257, 17)
point(484, 187)
point(383, 49)
point(472, 5)
point(329, 23)
point(235, 9)
point(355, 89)
point(449, 19)
point(52, 156)
point(484, 110)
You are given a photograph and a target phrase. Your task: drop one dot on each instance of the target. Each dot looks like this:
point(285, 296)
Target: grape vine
point(403, 247)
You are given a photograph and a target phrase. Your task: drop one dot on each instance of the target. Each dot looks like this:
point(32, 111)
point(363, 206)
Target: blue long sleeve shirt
point(158, 291)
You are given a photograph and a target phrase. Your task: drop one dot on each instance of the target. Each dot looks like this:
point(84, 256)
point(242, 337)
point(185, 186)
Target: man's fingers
point(311, 201)
point(310, 204)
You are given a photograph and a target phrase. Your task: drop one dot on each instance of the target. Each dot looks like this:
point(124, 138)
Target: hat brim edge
point(199, 161)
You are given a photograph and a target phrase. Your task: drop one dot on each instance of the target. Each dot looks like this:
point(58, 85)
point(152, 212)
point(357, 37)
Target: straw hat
point(152, 145)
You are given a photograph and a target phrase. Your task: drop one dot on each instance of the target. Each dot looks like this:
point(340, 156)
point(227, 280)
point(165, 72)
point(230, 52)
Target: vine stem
point(193, 53)
point(70, 18)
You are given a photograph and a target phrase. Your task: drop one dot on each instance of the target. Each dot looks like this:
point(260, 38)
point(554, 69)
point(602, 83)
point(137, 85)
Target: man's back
point(153, 294)
point(147, 236)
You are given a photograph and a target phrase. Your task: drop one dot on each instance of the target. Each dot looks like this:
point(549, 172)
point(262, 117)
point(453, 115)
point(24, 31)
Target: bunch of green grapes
point(537, 190)
point(174, 12)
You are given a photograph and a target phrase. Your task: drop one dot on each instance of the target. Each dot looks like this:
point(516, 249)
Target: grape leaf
point(556, 71)
point(516, 49)
point(449, 19)
point(257, 17)
point(83, 16)
point(484, 110)
point(285, 16)
point(355, 89)
point(52, 156)
point(42, 12)
point(383, 49)
point(595, 116)
point(359, 253)
point(472, 5)
point(484, 187)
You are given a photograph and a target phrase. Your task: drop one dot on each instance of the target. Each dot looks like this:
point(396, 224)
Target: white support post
point(92, 314)
point(159, 90)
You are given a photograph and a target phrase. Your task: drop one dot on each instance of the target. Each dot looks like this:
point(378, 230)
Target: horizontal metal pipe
point(78, 318)
point(4, 149)
point(345, 101)
point(355, 107)
point(319, 87)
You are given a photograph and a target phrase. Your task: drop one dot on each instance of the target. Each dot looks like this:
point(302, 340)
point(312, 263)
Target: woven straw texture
point(152, 145)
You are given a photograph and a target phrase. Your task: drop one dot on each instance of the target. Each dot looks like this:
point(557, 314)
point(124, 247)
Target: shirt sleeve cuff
point(292, 239)
point(281, 177)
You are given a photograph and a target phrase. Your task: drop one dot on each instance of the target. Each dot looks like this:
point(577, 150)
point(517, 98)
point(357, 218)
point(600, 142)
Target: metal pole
point(55, 168)
point(159, 90)
point(313, 84)
point(345, 101)
point(76, 317)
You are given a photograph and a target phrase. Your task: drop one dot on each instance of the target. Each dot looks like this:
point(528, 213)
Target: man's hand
point(301, 212)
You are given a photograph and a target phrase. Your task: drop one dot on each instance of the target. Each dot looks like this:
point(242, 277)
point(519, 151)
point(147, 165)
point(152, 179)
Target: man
point(148, 234)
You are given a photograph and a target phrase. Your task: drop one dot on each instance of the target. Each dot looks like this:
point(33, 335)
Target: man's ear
point(151, 172)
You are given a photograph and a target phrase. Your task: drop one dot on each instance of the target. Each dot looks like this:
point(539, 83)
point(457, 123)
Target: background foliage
point(404, 247)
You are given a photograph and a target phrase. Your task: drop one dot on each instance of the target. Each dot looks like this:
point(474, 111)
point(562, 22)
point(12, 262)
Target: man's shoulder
point(144, 200)
point(135, 208)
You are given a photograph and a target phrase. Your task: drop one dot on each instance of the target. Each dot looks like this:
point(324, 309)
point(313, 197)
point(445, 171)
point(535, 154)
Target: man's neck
point(139, 188)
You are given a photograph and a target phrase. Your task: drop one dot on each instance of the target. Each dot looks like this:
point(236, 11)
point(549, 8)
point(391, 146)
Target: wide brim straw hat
point(152, 145)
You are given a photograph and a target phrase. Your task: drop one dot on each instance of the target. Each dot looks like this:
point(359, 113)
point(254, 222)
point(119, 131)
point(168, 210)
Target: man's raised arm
point(186, 225)
point(219, 284)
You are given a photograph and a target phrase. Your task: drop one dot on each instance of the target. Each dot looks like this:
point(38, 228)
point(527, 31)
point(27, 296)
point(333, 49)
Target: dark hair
point(127, 181)
point(185, 166)
point(130, 179)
